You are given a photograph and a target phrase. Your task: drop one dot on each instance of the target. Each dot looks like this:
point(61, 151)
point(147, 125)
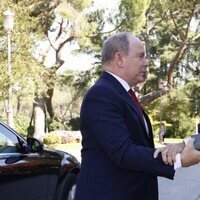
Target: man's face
point(135, 63)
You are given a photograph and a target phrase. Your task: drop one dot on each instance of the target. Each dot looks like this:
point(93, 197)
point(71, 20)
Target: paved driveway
point(185, 186)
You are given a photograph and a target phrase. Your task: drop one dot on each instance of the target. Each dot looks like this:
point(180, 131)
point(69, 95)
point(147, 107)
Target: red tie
point(132, 94)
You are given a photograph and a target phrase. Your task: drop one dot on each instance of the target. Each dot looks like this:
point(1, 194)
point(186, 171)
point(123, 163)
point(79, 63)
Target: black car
point(29, 171)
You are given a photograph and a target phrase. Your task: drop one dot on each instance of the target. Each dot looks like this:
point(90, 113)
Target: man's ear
point(119, 59)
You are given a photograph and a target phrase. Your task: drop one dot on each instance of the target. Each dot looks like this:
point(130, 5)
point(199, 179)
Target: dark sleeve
point(103, 114)
point(197, 141)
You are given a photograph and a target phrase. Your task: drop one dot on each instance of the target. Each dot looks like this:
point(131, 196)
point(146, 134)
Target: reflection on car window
point(8, 141)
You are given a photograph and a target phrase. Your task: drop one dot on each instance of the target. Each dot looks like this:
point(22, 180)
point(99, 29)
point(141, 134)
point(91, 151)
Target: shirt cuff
point(177, 163)
point(186, 140)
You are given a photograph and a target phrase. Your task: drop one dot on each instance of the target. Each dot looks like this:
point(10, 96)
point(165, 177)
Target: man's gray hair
point(115, 43)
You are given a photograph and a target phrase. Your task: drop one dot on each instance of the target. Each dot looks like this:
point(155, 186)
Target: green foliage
point(31, 25)
point(30, 131)
point(69, 91)
point(175, 107)
point(21, 124)
point(168, 27)
point(26, 71)
point(55, 125)
point(51, 139)
point(91, 25)
point(74, 123)
point(57, 137)
point(80, 4)
point(192, 90)
point(132, 15)
point(176, 114)
point(163, 25)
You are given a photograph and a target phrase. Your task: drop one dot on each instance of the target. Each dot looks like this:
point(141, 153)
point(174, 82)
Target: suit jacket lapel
point(133, 105)
point(125, 96)
point(150, 138)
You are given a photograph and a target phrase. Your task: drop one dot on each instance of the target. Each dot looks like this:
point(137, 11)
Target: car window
point(9, 142)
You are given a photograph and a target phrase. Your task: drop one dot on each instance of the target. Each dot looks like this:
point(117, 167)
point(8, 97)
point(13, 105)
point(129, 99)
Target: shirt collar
point(122, 81)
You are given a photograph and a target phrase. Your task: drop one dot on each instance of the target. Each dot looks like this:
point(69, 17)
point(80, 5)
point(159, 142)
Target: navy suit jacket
point(117, 154)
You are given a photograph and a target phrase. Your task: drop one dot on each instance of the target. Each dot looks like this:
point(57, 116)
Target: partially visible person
point(117, 139)
point(170, 152)
point(163, 132)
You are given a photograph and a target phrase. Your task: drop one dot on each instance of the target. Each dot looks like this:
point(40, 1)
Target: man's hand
point(169, 152)
point(189, 155)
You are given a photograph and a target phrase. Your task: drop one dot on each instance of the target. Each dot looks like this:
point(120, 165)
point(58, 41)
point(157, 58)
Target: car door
point(23, 175)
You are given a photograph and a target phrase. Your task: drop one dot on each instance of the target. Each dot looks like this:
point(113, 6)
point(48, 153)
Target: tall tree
point(25, 69)
point(69, 23)
point(67, 27)
point(170, 30)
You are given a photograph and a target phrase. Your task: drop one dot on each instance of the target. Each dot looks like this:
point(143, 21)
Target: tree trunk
point(48, 101)
point(152, 96)
point(173, 63)
point(39, 117)
point(56, 44)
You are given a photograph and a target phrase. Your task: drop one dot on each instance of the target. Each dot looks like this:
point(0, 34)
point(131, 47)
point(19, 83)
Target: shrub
point(55, 125)
point(21, 124)
point(51, 139)
point(74, 123)
point(66, 139)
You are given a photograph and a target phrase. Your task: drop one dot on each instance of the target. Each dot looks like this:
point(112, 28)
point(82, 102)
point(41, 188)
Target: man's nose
point(146, 62)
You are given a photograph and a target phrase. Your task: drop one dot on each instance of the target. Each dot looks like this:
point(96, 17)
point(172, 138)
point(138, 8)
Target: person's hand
point(169, 152)
point(190, 156)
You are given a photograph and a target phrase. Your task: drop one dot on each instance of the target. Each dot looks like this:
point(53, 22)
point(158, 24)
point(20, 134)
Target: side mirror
point(34, 145)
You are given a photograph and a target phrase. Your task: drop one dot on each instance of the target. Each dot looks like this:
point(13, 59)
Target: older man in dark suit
point(117, 138)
